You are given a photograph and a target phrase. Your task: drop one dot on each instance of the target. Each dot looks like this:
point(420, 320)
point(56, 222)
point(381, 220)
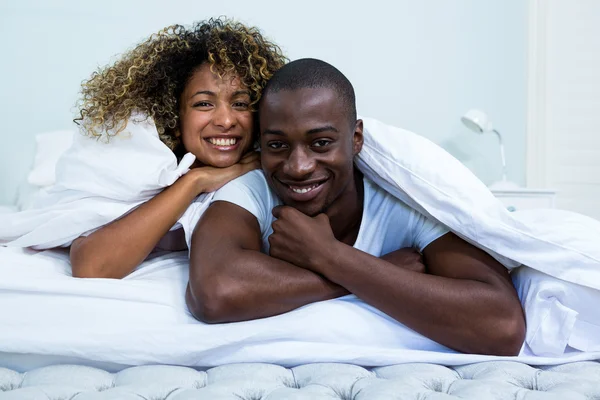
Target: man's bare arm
point(231, 280)
point(466, 301)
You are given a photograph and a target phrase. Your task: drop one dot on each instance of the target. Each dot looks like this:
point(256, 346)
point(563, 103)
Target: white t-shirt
point(387, 223)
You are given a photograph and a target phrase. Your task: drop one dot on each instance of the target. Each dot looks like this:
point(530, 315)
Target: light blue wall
point(416, 64)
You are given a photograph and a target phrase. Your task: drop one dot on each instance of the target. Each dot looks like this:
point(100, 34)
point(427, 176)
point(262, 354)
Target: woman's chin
point(221, 160)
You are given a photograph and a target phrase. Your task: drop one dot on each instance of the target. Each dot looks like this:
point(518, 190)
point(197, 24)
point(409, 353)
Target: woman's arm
point(116, 249)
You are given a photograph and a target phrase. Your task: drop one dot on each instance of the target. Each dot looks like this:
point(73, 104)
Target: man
point(339, 233)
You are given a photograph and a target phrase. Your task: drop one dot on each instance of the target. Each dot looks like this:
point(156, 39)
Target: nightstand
point(524, 198)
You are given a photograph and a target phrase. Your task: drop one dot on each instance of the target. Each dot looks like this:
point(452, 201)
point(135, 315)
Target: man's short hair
point(313, 73)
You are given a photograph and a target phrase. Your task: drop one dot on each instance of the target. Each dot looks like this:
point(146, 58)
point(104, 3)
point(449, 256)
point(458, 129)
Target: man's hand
point(407, 258)
point(301, 240)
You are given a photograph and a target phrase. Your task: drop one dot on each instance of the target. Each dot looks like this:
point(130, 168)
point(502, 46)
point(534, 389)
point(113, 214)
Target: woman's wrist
point(193, 181)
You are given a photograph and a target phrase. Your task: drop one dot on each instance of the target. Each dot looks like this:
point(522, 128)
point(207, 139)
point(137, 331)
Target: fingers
point(277, 210)
point(284, 212)
point(322, 217)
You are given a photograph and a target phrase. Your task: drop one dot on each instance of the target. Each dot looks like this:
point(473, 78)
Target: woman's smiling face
point(216, 120)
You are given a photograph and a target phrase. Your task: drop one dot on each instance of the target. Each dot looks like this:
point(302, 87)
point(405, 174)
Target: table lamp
point(478, 122)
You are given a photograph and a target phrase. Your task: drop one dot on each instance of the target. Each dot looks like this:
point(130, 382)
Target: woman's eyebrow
point(241, 92)
point(207, 92)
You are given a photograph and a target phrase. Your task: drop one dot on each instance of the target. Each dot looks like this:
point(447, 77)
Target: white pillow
point(49, 147)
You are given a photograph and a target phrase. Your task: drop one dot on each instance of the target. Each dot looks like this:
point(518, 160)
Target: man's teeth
point(304, 190)
point(222, 142)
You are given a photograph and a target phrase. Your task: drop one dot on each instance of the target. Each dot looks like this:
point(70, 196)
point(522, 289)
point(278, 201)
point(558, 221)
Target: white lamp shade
point(477, 121)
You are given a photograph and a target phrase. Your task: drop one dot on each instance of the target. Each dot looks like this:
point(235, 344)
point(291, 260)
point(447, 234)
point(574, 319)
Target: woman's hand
point(209, 179)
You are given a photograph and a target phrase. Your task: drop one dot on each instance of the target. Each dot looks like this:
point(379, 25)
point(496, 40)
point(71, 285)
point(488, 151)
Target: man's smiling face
point(308, 144)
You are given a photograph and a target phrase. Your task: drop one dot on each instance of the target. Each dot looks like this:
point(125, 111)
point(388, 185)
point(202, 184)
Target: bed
point(67, 338)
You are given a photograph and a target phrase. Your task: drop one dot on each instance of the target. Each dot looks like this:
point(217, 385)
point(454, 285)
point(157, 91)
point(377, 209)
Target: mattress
point(486, 380)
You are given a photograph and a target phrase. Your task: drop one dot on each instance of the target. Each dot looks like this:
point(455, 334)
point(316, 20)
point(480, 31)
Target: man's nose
point(299, 164)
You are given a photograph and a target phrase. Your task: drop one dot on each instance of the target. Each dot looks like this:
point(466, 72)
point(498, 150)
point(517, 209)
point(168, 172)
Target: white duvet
point(48, 316)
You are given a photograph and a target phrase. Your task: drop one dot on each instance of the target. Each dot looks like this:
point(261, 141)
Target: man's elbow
point(515, 336)
point(509, 335)
point(210, 304)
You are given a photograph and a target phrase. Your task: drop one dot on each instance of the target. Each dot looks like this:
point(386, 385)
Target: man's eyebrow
point(326, 128)
point(273, 132)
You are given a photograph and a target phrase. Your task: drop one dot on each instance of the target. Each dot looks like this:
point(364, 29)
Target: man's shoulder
point(251, 192)
point(374, 192)
point(252, 184)
point(389, 210)
point(253, 180)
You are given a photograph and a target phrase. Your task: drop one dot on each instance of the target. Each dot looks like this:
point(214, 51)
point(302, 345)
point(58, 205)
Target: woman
point(199, 86)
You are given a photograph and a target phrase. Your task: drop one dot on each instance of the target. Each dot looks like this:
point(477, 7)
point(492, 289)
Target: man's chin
point(309, 209)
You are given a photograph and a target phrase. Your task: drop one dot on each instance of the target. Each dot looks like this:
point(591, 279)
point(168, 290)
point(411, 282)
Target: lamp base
point(504, 185)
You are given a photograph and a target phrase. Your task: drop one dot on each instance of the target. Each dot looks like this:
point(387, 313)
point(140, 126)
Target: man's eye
point(275, 145)
point(321, 143)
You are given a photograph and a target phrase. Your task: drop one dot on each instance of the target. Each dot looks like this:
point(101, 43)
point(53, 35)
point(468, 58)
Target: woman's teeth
point(304, 190)
point(223, 142)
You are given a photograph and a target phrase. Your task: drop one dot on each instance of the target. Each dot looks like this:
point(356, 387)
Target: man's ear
point(357, 140)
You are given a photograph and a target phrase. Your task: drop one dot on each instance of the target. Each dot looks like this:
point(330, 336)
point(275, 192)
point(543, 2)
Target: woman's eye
point(240, 104)
point(202, 104)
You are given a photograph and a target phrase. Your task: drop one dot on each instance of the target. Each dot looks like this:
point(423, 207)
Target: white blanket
point(143, 318)
point(562, 244)
point(49, 317)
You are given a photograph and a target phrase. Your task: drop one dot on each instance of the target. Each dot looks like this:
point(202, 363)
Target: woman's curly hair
point(151, 78)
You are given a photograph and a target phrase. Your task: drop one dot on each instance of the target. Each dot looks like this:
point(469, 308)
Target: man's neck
point(346, 214)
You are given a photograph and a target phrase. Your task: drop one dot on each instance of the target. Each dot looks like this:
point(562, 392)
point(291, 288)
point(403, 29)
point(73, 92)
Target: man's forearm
point(467, 315)
point(248, 285)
